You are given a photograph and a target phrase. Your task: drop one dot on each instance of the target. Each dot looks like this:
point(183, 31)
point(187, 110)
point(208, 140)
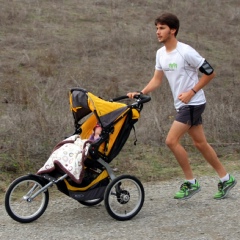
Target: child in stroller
point(96, 132)
point(27, 197)
point(69, 155)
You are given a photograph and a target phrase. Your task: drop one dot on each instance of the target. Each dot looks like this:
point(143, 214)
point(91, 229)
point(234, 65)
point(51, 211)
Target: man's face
point(164, 33)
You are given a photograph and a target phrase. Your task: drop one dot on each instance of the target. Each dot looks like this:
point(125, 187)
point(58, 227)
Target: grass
point(154, 163)
point(108, 48)
point(150, 163)
point(147, 162)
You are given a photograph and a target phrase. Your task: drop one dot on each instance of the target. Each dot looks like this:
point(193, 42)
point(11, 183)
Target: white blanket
point(68, 155)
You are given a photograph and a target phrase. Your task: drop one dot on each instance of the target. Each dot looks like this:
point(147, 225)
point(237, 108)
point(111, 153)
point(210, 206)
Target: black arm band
point(206, 68)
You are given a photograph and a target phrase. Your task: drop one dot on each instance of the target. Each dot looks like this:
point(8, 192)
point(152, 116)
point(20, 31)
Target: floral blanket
point(69, 156)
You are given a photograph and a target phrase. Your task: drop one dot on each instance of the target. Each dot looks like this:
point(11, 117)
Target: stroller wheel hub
point(124, 197)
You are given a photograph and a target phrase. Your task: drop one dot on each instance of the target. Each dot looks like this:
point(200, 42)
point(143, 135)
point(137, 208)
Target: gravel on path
point(161, 218)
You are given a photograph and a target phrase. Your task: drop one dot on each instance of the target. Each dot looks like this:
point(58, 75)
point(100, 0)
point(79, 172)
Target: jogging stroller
point(27, 197)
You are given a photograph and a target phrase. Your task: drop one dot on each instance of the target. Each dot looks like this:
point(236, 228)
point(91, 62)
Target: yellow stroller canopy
point(83, 103)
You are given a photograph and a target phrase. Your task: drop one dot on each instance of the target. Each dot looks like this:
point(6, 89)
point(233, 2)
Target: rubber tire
point(108, 194)
point(11, 189)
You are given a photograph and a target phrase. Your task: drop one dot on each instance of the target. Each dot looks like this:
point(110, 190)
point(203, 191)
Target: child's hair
point(170, 20)
point(97, 125)
point(91, 138)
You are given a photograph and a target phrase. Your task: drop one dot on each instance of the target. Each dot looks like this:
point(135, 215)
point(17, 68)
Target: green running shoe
point(225, 187)
point(187, 190)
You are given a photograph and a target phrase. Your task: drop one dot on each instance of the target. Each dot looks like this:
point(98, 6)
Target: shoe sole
point(189, 196)
point(235, 182)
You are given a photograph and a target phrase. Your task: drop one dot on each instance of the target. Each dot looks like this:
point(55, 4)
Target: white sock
point(226, 178)
point(192, 181)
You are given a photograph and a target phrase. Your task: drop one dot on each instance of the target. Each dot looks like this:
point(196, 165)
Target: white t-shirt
point(180, 66)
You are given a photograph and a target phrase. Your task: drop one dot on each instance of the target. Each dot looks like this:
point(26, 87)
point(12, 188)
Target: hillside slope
point(107, 47)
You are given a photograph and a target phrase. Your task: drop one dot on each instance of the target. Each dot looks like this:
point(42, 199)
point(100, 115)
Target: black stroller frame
point(27, 197)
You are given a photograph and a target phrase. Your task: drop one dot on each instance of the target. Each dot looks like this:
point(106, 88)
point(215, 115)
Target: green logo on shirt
point(172, 66)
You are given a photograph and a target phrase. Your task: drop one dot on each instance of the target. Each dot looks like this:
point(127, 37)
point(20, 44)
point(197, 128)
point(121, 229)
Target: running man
point(180, 64)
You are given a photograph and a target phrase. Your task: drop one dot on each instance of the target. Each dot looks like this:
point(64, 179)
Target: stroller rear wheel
point(18, 202)
point(124, 197)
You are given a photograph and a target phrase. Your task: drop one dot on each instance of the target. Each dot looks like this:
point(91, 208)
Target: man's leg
point(227, 181)
point(191, 185)
point(175, 133)
point(199, 140)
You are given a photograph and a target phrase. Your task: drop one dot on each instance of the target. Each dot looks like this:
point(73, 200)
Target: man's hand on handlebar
point(132, 94)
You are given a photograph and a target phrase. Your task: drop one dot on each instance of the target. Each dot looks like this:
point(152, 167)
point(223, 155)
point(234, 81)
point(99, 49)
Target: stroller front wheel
point(124, 197)
point(19, 203)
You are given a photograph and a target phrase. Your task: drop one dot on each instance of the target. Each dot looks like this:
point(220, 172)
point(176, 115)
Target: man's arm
point(203, 81)
point(208, 75)
point(154, 83)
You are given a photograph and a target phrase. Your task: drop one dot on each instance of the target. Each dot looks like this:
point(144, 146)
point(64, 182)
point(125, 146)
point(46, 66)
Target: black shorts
point(191, 115)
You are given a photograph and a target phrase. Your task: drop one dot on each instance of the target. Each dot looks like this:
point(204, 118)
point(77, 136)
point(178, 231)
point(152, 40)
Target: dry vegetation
point(108, 47)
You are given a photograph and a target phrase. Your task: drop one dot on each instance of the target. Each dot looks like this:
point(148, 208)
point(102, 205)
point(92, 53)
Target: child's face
point(98, 130)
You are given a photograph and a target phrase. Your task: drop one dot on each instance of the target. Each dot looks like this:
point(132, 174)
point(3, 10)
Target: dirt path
point(161, 218)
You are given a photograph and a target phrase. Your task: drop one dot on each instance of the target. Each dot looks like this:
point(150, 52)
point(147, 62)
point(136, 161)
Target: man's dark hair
point(170, 20)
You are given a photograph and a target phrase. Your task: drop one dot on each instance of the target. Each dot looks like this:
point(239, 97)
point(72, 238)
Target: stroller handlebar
point(140, 99)
point(118, 98)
